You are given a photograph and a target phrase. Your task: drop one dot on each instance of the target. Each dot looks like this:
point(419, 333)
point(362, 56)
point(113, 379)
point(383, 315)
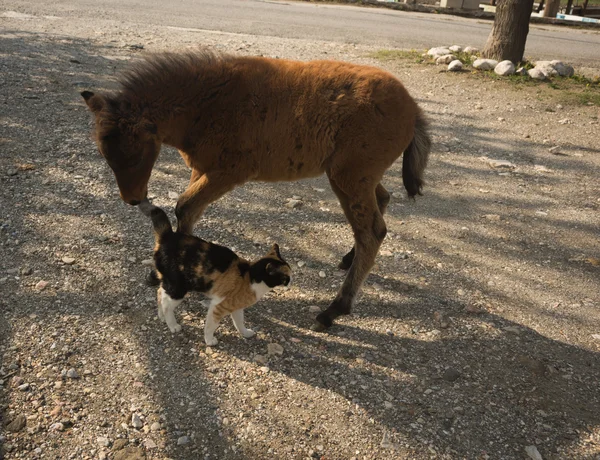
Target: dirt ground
point(477, 334)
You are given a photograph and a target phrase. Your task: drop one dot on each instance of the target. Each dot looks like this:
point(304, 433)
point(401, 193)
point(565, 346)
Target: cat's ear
point(269, 268)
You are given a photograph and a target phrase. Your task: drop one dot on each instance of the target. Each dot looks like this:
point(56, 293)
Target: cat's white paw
point(161, 315)
point(211, 342)
point(248, 333)
point(175, 328)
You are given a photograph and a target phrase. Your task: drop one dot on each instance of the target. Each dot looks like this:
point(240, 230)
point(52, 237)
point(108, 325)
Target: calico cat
point(186, 263)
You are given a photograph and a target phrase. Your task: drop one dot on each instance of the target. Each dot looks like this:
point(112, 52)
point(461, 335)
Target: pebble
point(68, 260)
point(41, 285)
point(26, 271)
point(322, 274)
point(72, 374)
point(173, 195)
point(260, 359)
point(147, 262)
point(301, 263)
point(388, 405)
point(57, 427)
point(294, 204)
point(471, 50)
point(445, 59)
point(555, 150)
point(130, 453)
point(596, 336)
point(183, 440)
point(136, 421)
point(103, 441)
point(150, 444)
point(533, 453)
point(455, 48)
point(23, 387)
point(119, 444)
point(501, 164)
point(314, 309)
point(451, 374)
point(18, 423)
point(438, 51)
point(274, 349)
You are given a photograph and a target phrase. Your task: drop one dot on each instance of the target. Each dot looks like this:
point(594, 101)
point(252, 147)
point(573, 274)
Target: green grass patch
point(392, 55)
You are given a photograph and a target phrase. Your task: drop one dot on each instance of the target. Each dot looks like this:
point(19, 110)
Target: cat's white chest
point(260, 289)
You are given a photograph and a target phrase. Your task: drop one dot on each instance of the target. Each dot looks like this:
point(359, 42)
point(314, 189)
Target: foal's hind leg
point(360, 205)
point(383, 199)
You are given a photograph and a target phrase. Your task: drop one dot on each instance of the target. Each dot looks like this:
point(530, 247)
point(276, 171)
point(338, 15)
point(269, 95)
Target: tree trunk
point(509, 33)
point(551, 9)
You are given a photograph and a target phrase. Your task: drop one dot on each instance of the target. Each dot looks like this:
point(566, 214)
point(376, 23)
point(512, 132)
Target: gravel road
point(477, 335)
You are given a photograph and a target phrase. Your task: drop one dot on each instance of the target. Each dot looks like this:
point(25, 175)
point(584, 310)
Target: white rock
point(173, 195)
point(521, 71)
point(155, 426)
point(596, 336)
point(294, 204)
point(471, 50)
point(439, 51)
point(314, 309)
point(41, 285)
point(136, 421)
point(147, 262)
point(555, 150)
point(446, 59)
point(322, 274)
point(57, 427)
point(485, 64)
point(455, 66)
point(68, 260)
point(505, 68)
point(533, 453)
point(455, 48)
point(150, 444)
point(536, 74)
point(103, 441)
point(301, 263)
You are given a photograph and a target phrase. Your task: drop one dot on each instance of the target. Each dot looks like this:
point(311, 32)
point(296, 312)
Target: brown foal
point(239, 119)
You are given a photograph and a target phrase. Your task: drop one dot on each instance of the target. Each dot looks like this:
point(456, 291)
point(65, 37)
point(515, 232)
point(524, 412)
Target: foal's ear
point(94, 101)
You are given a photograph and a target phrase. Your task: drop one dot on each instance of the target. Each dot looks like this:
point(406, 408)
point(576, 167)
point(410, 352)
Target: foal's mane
point(158, 71)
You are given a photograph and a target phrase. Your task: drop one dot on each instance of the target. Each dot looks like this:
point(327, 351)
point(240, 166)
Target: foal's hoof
point(322, 322)
point(152, 278)
point(347, 260)
point(343, 265)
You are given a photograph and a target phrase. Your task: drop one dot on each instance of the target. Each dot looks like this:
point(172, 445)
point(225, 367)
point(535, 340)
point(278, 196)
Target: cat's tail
point(160, 220)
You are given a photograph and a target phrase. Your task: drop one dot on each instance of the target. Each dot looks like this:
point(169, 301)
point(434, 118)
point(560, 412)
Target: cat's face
point(276, 271)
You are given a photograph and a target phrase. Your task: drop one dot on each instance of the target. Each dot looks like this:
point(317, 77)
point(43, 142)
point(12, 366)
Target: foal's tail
point(160, 220)
point(415, 157)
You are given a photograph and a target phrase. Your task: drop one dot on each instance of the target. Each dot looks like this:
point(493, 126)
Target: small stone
point(533, 453)
point(471, 50)
point(103, 441)
point(274, 349)
point(130, 453)
point(455, 66)
point(17, 424)
point(446, 59)
point(504, 68)
point(473, 309)
point(150, 444)
point(26, 271)
point(451, 374)
point(68, 260)
point(294, 204)
point(301, 263)
point(564, 121)
point(501, 164)
point(314, 309)
point(23, 387)
point(455, 48)
point(41, 285)
point(555, 150)
point(173, 195)
point(546, 67)
point(388, 405)
point(136, 421)
point(147, 262)
point(494, 217)
point(155, 426)
point(72, 374)
point(536, 74)
point(260, 359)
point(596, 336)
point(322, 274)
point(513, 329)
point(485, 64)
point(541, 168)
point(58, 384)
point(57, 427)
point(183, 440)
point(119, 444)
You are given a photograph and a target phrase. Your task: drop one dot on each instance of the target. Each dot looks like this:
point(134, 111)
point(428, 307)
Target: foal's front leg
point(208, 188)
